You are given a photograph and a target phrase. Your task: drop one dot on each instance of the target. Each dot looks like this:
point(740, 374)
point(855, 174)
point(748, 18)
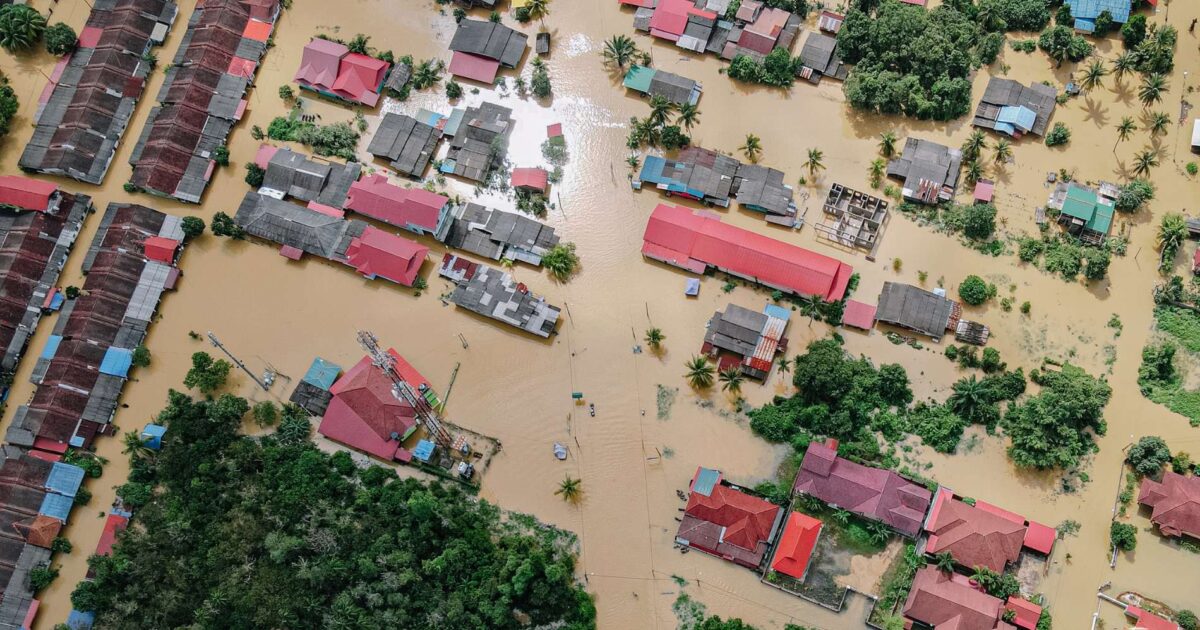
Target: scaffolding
point(426, 414)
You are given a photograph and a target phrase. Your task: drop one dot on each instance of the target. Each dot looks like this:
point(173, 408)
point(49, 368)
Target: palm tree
point(1171, 232)
point(841, 516)
point(1093, 77)
point(731, 380)
point(1124, 64)
point(974, 172)
point(660, 110)
point(687, 116)
point(1158, 123)
point(655, 337)
point(1124, 130)
point(969, 399)
point(975, 144)
point(887, 143)
point(1144, 161)
point(1152, 89)
point(876, 171)
point(135, 446)
point(944, 562)
point(620, 50)
point(538, 10)
point(569, 489)
point(784, 364)
point(633, 162)
point(1003, 151)
point(752, 148)
point(809, 309)
point(20, 27)
point(814, 163)
point(699, 372)
point(360, 44)
point(878, 532)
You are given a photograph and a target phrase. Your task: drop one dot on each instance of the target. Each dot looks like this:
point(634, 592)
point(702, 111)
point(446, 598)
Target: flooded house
point(949, 600)
point(746, 339)
point(478, 140)
point(498, 235)
point(312, 392)
point(762, 29)
point(530, 180)
point(407, 144)
point(853, 218)
point(679, 21)
point(414, 209)
point(796, 545)
point(981, 534)
point(697, 241)
point(1174, 503)
point(481, 47)
point(84, 110)
point(1014, 109)
point(83, 367)
point(929, 171)
point(296, 175)
point(202, 97)
point(913, 308)
point(819, 59)
point(329, 69)
point(874, 493)
point(1084, 211)
point(38, 226)
point(654, 82)
point(1085, 12)
point(723, 520)
point(495, 294)
point(714, 178)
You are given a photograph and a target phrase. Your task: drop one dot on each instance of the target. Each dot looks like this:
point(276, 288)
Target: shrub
point(60, 39)
point(1123, 536)
point(522, 15)
point(973, 290)
point(453, 89)
point(979, 221)
point(561, 261)
point(540, 83)
point(1025, 306)
point(61, 545)
point(1192, 169)
point(1149, 455)
point(286, 92)
point(221, 155)
point(41, 577)
point(141, 356)
point(254, 175)
point(1059, 135)
point(1133, 195)
point(1187, 620)
point(192, 227)
point(265, 413)
point(224, 225)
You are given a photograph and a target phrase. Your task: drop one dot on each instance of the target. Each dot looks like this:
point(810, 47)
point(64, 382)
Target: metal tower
point(426, 415)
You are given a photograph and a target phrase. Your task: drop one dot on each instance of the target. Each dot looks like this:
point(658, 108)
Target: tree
point(1124, 130)
point(1123, 65)
point(20, 27)
point(360, 44)
point(1187, 620)
point(60, 39)
point(999, 585)
point(453, 89)
point(265, 413)
point(814, 162)
point(731, 380)
point(561, 261)
point(540, 82)
point(206, 374)
point(1134, 31)
point(427, 74)
point(887, 143)
point(972, 401)
point(1144, 161)
point(192, 227)
point(973, 290)
point(220, 155)
point(979, 221)
point(1061, 44)
point(255, 175)
point(660, 110)
point(699, 372)
point(655, 337)
point(1002, 151)
point(974, 145)
point(224, 225)
point(688, 115)
point(287, 93)
point(944, 562)
point(1172, 232)
point(1152, 89)
point(41, 576)
point(141, 356)
point(460, 14)
point(1053, 428)
point(569, 489)
point(1158, 123)
point(8, 105)
point(1093, 76)
point(1149, 455)
point(1123, 536)
point(876, 170)
point(619, 50)
point(974, 172)
point(1059, 135)
point(752, 148)
point(538, 10)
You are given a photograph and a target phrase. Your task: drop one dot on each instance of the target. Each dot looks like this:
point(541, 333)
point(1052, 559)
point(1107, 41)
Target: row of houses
point(478, 141)
point(716, 179)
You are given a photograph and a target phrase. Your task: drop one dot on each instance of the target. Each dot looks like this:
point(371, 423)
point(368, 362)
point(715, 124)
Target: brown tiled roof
point(43, 531)
point(947, 601)
point(974, 537)
point(1175, 502)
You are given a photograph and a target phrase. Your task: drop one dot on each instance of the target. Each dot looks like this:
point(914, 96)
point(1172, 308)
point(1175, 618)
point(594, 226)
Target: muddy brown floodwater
point(517, 388)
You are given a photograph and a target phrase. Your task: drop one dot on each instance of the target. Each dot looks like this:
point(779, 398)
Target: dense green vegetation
point(973, 290)
point(1123, 536)
point(777, 69)
point(1066, 256)
point(60, 39)
point(1158, 377)
point(235, 532)
point(1053, 429)
point(21, 26)
point(8, 105)
point(338, 139)
point(1149, 456)
point(975, 222)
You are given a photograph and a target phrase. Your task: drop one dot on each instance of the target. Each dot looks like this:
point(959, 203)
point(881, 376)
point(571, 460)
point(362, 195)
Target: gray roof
point(495, 294)
point(491, 40)
point(704, 170)
point(470, 151)
point(820, 55)
point(399, 77)
point(674, 88)
point(495, 234)
point(914, 308)
point(409, 144)
point(929, 170)
point(736, 330)
point(763, 188)
point(296, 226)
point(1038, 97)
point(297, 175)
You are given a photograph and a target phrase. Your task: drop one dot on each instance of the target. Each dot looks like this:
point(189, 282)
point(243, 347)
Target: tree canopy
point(1054, 428)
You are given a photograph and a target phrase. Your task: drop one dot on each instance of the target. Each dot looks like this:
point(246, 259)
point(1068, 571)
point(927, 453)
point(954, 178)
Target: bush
point(1192, 168)
point(1133, 31)
point(41, 577)
point(979, 221)
point(1187, 620)
point(21, 26)
point(221, 155)
point(522, 15)
point(141, 356)
point(1059, 135)
point(1133, 195)
point(265, 413)
point(540, 83)
point(453, 89)
point(61, 545)
point(192, 227)
point(1149, 455)
point(286, 92)
point(973, 290)
point(60, 39)
point(1097, 263)
point(938, 427)
point(991, 363)
point(224, 225)
point(254, 175)
point(1123, 536)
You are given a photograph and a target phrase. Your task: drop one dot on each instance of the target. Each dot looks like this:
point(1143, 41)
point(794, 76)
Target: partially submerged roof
point(407, 143)
point(820, 55)
point(1084, 204)
point(490, 40)
point(496, 234)
point(654, 82)
point(414, 208)
point(914, 308)
point(473, 67)
point(292, 174)
point(496, 295)
point(376, 253)
point(329, 68)
point(930, 170)
point(729, 523)
point(1038, 99)
point(364, 413)
point(296, 226)
point(530, 178)
point(26, 193)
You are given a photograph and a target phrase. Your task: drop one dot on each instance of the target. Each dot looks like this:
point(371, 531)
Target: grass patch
point(897, 580)
point(1181, 324)
point(851, 532)
point(1181, 401)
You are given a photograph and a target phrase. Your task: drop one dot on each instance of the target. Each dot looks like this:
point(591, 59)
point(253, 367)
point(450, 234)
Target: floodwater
point(517, 388)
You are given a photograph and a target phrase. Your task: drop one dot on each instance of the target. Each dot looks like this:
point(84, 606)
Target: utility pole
point(237, 361)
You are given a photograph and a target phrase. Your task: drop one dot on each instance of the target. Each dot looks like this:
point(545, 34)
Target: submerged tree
point(569, 489)
point(620, 51)
point(1172, 232)
point(815, 162)
point(699, 372)
point(1158, 123)
point(1124, 130)
point(887, 143)
point(1093, 77)
point(1152, 89)
point(1144, 161)
point(752, 148)
point(655, 337)
point(1002, 151)
point(20, 27)
point(731, 380)
point(561, 261)
point(688, 115)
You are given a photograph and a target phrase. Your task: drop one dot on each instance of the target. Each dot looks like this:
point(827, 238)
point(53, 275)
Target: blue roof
point(652, 170)
point(57, 506)
point(79, 620)
point(1091, 9)
point(64, 479)
point(1005, 128)
point(1018, 116)
point(778, 312)
point(448, 166)
point(117, 362)
point(322, 373)
point(692, 287)
point(56, 302)
point(424, 450)
point(152, 435)
point(1086, 26)
point(706, 480)
point(452, 124)
point(51, 347)
point(427, 117)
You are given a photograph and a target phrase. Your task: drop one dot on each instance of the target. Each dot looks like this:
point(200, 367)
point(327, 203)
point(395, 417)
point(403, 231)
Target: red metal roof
point(364, 414)
point(474, 67)
point(1149, 621)
point(114, 524)
point(377, 253)
point(948, 601)
point(327, 210)
point(257, 31)
point(670, 18)
point(532, 178)
point(25, 193)
point(1027, 612)
point(686, 239)
point(161, 249)
point(984, 190)
point(291, 253)
point(554, 131)
point(796, 545)
point(374, 197)
point(330, 67)
point(859, 315)
point(1040, 538)
point(747, 519)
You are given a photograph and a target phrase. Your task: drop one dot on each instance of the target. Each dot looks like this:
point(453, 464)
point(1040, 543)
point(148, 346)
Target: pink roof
point(359, 78)
point(670, 18)
point(161, 248)
point(875, 493)
point(377, 253)
point(637, 3)
point(974, 536)
point(1175, 503)
point(374, 197)
point(25, 193)
point(764, 32)
point(554, 131)
point(1040, 538)
point(115, 523)
point(680, 237)
point(363, 413)
point(984, 190)
point(326, 210)
point(31, 614)
point(534, 178)
point(239, 67)
point(474, 67)
point(291, 253)
point(1149, 621)
point(796, 545)
point(320, 62)
point(257, 31)
point(948, 602)
point(90, 36)
point(1027, 612)
point(264, 155)
point(859, 315)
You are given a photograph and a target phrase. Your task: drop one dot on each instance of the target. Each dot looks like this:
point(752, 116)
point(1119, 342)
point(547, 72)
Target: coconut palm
point(1093, 77)
point(620, 51)
point(784, 364)
point(1002, 151)
point(944, 562)
point(1158, 123)
point(633, 162)
point(538, 10)
point(660, 110)
point(810, 309)
point(974, 172)
point(1124, 130)
point(814, 162)
point(687, 116)
point(969, 399)
point(20, 27)
point(876, 171)
point(1171, 234)
point(361, 44)
point(569, 489)
point(1144, 161)
point(887, 143)
point(135, 446)
point(427, 74)
point(1152, 89)
point(975, 144)
point(752, 148)
point(731, 380)
point(655, 337)
point(1124, 64)
point(699, 372)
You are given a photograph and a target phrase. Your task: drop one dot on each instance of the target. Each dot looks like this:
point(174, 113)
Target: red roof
point(859, 315)
point(796, 545)
point(554, 131)
point(291, 253)
point(680, 237)
point(474, 67)
point(984, 189)
point(25, 193)
point(115, 523)
point(747, 520)
point(161, 248)
point(377, 253)
point(637, 3)
point(363, 413)
point(330, 67)
point(374, 197)
point(327, 210)
point(257, 31)
point(875, 493)
point(948, 602)
point(1149, 621)
point(974, 536)
point(531, 178)
point(1175, 503)
point(1027, 612)
point(1040, 538)
point(671, 16)
point(263, 157)
point(43, 530)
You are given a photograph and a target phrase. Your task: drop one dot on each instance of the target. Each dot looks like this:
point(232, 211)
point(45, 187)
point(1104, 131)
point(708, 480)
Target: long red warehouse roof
point(681, 237)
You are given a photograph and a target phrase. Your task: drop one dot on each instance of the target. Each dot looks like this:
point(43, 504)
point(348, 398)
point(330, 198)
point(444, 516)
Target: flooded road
point(517, 388)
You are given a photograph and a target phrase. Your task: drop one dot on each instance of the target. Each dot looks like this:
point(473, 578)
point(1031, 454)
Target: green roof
point(639, 77)
point(1082, 203)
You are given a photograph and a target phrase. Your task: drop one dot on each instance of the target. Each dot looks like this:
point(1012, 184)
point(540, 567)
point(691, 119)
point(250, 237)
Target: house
point(367, 416)
point(796, 545)
point(496, 295)
point(771, 28)
point(498, 235)
point(291, 174)
point(1145, 620)
point(918, 310)
point(654, 82)
point(762, 189)
point(23, 193)
point(681, 22)
point(377, 254)
point(82, 114)
point(873, 493)
point(530, 180)
point(478, 140)
point(948, 600)
point(202, 97)
point(1085, 12)
point(747, 339)
point(982, 535)
point(985, 189)
point(819, 59)
point(1025, 614)
point(330, 69)
point(713, 178)
point(409, 145)
point(859, 315)
point(480, 47)
point(298, 229)
point(723, 520)
point(1014, 109)
point(414, 209)
point(695, 242)
point(830, 22)
point(853, 218)
point(929, 171)
point(1084, 211)
point(1174, 504)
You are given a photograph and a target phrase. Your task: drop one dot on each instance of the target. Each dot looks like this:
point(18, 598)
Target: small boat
point(592, 409)
point(560, 451)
